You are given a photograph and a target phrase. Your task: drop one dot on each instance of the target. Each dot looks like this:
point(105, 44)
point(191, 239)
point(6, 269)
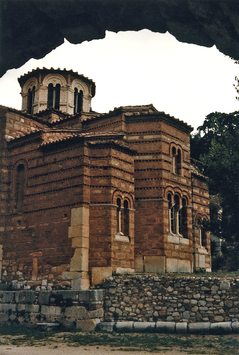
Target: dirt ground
point(61, 349)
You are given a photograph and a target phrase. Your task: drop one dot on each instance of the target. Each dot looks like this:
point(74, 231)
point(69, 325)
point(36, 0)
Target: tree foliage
point(216, 144)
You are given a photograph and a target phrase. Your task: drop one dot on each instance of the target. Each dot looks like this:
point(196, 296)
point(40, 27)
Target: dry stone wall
point(144, 298)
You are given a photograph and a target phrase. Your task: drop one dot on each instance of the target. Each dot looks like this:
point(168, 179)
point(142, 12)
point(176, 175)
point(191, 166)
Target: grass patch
point(188, 344)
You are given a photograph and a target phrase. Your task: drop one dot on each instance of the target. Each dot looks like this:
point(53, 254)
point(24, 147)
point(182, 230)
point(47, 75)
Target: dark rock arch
point(32, 28)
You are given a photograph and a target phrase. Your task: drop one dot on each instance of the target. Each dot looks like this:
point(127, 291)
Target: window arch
point(53, 99)
point(20, 184)
point(78, 101)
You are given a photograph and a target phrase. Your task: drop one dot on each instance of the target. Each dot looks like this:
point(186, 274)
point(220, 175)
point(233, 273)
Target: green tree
point(216, 144)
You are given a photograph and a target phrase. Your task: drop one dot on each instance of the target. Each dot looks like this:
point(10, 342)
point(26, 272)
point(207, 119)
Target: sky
point(139, 68)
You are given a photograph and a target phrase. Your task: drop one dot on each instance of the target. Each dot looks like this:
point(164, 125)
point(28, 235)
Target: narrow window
point(30, 100)
point(174, 160)
point(171, 215)
point(50, 96)
point(204, 238)
point(118, 215)
point(20, 179)
point(177, 216)
point(75, 100)
point(78, 101)
point(184, 223)
point(57, 96)
point(126, 218)
point(178, 167)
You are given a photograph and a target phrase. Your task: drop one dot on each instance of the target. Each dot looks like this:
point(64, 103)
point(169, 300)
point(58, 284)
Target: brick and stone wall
point(172, 299)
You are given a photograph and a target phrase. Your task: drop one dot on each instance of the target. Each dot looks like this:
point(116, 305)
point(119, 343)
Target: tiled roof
point(195, 171)
point(50, 137)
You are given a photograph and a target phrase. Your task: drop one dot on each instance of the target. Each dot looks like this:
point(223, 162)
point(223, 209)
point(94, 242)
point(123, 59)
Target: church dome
point(63, 90)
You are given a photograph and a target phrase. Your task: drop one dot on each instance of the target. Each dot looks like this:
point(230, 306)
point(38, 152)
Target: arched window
point(183, 226)
point(50, 96)
point(78, 101)
point(176, 161)
point(30, 100)
point(57, 97)
point(20, 182)
point(177, 215)
point(53, 99)
point(126, 218)
point(118, 215)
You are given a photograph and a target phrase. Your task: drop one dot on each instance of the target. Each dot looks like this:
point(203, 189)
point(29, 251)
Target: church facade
point(85, 194)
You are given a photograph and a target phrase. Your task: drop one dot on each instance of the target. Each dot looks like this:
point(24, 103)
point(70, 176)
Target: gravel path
point(79, 350)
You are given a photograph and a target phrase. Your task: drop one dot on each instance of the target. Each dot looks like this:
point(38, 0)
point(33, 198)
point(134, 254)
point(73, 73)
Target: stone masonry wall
point(81, 309)
point(179, 299)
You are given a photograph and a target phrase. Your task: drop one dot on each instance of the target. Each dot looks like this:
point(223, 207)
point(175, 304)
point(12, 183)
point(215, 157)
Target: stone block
point(8, 296)
point(165, 327)
point(80, 284)
point(138, 263)
point(44, 297)
point(235, 327)
point(97, 313)
point(105, 327)
point(184, 266)
point(199, 328)
point(98, 274)
point(184, 241)
point(21, 307)
point(72, 275)
point(80, 260)
point(79, 231)
point(44, 310)
point(87, 325)
point(81, 242)
point(90, 296)
point(79, 215)
point(225, 285)
point(67, 294)
point(32, 308)
point(8, 307)
point(76, 312)
point(124, 327)
point(19, 296)
point(221, 328)
point(29, 296)
point(182, 328)
point(144, 326)
point(155, 264)
point(171, 265)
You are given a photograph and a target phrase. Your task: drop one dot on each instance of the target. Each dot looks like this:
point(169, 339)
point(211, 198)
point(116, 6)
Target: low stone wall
point(82, 309)
point(143, 298)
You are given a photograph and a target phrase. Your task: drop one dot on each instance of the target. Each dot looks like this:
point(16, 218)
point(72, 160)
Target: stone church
point(85, 194)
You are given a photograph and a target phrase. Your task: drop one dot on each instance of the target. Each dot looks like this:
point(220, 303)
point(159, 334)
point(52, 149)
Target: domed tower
point(62, 90)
